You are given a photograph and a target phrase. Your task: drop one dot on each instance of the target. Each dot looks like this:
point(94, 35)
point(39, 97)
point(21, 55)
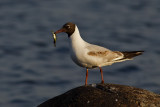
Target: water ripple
point(129, 69)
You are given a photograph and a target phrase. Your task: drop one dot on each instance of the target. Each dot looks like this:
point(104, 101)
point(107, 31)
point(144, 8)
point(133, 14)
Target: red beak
point(60, 30)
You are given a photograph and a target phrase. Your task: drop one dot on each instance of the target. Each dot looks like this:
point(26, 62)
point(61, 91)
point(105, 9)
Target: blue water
point(32, 70)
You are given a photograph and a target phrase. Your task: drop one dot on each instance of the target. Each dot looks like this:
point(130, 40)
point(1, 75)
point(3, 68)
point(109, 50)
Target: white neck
point(75, 39)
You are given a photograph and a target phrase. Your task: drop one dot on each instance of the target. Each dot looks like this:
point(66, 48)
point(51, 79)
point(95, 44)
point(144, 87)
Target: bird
point(91, 56)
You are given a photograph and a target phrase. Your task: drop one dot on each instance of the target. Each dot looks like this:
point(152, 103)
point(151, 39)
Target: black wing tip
point(131, 54)
point(139, 52)
point(135, 52)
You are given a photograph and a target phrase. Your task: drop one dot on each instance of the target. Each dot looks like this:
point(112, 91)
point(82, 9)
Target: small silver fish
point(54, 38)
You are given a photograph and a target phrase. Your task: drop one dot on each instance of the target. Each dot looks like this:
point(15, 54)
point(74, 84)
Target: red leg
point(86, 77)
point(101, 75)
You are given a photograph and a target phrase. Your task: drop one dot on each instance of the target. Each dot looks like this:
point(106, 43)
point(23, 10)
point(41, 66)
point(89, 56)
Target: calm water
point(32, 70)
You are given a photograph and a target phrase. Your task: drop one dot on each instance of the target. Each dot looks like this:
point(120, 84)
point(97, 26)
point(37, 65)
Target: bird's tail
point(130, 55)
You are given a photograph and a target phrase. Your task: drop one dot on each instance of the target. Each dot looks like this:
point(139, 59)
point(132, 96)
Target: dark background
point(32, 70)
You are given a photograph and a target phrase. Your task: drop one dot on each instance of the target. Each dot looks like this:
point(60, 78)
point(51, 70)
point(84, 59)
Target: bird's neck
point(75, 39)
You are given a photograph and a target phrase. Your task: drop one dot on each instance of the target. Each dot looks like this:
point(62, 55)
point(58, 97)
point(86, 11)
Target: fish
point(54, 38)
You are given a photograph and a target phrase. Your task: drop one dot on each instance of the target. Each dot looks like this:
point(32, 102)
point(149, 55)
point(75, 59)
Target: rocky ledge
point(105, 95)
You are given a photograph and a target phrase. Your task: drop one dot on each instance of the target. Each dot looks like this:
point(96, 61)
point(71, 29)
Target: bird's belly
point(84, 62)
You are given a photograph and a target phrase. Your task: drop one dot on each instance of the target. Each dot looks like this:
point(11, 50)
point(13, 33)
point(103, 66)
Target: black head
point(68, 28)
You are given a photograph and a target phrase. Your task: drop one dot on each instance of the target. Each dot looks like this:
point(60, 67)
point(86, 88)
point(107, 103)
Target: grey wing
point(104, 53)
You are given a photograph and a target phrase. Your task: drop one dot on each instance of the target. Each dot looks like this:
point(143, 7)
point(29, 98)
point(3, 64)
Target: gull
point(89, 55)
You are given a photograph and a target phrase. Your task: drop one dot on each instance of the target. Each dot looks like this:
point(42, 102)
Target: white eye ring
point(68, 26)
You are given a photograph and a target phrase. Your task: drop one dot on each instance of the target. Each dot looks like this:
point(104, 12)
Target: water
point(32, 70)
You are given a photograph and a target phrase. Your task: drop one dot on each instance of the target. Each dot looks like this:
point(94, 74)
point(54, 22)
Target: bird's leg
point(86, 77)
point(101, 75)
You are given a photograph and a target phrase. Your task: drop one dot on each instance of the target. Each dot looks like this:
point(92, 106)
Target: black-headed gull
point(92, 56)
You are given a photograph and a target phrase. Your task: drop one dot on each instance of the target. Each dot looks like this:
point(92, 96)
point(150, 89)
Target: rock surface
point(105, 95)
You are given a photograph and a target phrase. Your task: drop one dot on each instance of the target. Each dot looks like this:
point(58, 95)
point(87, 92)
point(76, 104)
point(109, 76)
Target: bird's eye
point(68, 26)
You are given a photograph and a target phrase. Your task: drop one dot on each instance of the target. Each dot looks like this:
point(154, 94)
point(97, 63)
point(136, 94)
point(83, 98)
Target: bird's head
point(68, 28)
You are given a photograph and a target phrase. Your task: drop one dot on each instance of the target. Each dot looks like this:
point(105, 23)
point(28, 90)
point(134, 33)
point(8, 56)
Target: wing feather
point(104, 53)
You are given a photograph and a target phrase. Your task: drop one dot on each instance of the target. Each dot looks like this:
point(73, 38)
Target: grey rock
point(105, 95)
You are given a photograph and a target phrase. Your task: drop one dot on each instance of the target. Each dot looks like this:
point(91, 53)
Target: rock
point(105, 95)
